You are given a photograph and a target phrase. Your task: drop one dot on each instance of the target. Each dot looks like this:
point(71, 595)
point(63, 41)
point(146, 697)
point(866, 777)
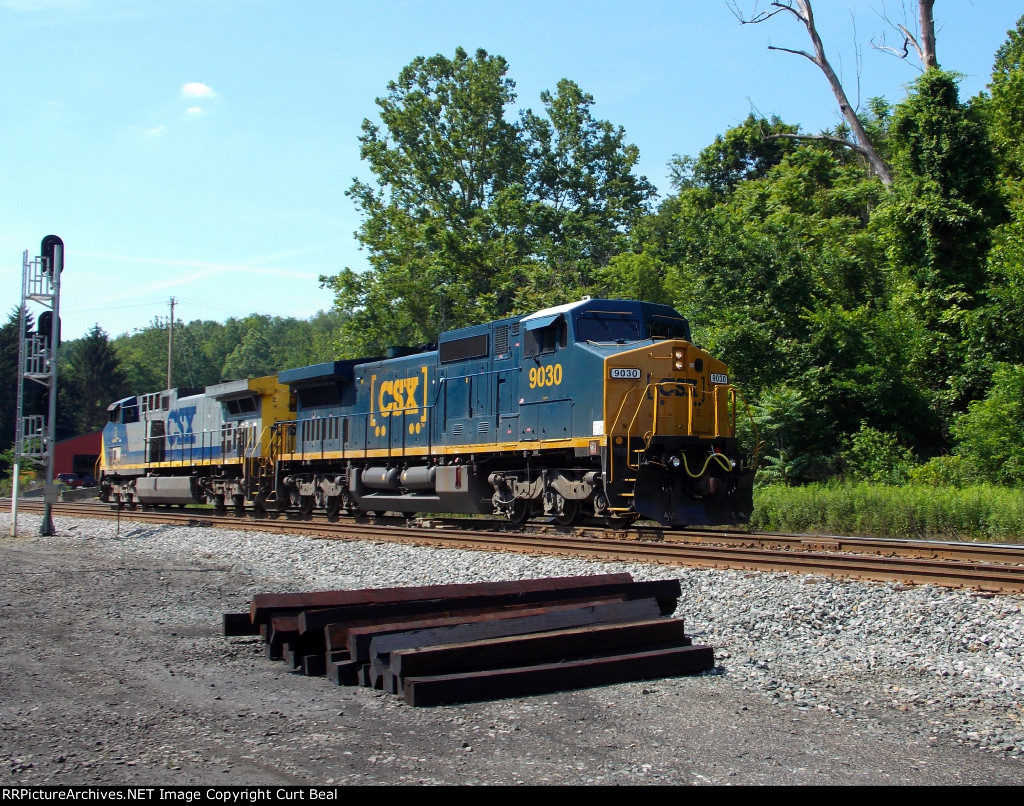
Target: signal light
point(48, 250)
point(45, 328)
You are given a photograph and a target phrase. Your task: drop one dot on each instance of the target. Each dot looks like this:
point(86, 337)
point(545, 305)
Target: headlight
point(679, 355)
point(675, 461)
point(679, 364)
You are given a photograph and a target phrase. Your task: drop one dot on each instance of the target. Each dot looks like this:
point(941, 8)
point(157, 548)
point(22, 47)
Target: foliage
point(90, 376)
point(583, 196)
point(938, 219)
point(937, 226)
point(205, 352)
point(469, 216)
point(745, 152)
point(27, 472)
point(1005, 107)
point(942, 471)
point(979, 512)
point(9, 379)
point(778, 419)
point(990, 435)
point(999, 327)
point(878, 456)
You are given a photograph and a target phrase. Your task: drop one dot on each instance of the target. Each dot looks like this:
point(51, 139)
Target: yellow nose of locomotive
point(670, 415)
point(670, 389)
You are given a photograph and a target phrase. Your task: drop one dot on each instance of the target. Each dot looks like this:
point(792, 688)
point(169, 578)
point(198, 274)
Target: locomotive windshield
point(607, 326)
point(663, 327)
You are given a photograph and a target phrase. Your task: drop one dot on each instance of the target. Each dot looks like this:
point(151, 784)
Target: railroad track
point(992, 568)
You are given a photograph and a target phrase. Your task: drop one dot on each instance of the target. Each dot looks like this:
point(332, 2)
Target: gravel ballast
point(115, 671)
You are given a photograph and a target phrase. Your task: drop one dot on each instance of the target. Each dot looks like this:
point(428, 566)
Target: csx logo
point(179, 426)
point(680, 387)
point(398, 395)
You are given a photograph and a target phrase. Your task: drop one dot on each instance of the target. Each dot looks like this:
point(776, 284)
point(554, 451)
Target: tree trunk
point(861, 142)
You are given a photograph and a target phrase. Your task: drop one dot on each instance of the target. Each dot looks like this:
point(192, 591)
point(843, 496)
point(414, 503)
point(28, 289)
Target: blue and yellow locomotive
point(598, 408)
point(187, 446)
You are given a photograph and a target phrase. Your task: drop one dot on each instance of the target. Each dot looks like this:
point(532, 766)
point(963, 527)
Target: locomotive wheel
point(259, 504)
point(333, 506)
point(570, 513)
point(238, 501)
point(306, 505)
point(218, 504)
point(380, 513)
point(619, 521)
point(520, 511)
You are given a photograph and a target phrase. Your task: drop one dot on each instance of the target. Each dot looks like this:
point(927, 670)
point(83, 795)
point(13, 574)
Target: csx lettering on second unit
point(398, 395)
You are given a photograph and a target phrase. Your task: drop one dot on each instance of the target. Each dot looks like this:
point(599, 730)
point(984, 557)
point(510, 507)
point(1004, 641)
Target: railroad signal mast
point(35, 438)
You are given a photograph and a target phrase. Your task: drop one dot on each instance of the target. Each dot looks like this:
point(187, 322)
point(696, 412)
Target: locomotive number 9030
point(550, 375)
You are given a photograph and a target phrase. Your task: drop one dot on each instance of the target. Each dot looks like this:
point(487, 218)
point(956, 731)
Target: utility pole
point(170, 344)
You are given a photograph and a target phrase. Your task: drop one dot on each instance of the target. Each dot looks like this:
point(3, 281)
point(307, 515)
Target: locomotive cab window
point(545, 335)
point(607, 326)
point(662, 327)
point(124, 411)
point(242, 405)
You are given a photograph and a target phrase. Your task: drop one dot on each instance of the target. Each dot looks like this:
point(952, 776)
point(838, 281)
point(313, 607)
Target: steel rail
point(946, 565)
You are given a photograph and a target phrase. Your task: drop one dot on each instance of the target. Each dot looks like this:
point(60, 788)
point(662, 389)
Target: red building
point(78, 454)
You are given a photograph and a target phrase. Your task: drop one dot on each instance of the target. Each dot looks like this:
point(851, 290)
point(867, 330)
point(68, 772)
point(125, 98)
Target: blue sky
point(201, 149)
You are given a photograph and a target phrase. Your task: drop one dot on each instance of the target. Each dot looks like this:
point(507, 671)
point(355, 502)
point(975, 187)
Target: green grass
point(981, 513)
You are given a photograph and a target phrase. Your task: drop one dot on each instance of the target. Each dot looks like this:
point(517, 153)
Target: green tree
point(744, 152)
point(778, 423)
point(1000, 324)
point(990, 435)
point(1005, 108)
point(878, 456)
point(584, 197)
point(143, 356)
point(470, 216)
point(938, 220)
point(90, 378)
point(937, 227)
point(9, 378)
point(771, 256)
point(443, 213)
point(251, 358)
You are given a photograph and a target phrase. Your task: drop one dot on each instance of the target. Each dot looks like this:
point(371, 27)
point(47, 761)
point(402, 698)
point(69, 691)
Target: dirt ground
point(114, 670)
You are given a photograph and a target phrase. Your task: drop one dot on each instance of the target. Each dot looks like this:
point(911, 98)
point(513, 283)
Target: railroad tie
point(440, 644)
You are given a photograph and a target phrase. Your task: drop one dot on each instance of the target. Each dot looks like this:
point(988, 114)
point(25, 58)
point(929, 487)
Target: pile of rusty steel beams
point(440, 644)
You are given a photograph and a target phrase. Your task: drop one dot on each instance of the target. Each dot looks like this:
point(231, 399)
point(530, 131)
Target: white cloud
point(194, 110)
point(156, 131)
point(196, 89)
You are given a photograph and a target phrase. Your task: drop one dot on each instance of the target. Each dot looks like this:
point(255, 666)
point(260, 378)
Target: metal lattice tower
point(37, 363)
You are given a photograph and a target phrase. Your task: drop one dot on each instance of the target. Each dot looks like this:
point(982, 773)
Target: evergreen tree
point(9, 379)
point(89, 379)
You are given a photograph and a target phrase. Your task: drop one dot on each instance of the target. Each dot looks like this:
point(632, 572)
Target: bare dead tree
point(923, 43)
point(861, 143)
